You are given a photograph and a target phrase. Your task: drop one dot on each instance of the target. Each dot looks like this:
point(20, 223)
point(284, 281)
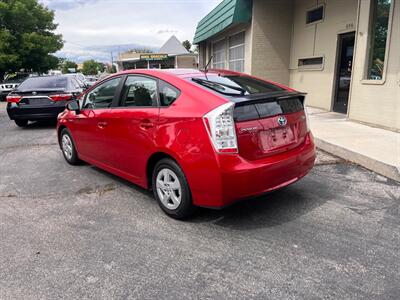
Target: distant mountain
point(100, 53)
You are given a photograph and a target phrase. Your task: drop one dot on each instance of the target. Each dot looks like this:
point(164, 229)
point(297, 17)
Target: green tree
point(90, 67)
point(67, 64)
point(27, 38)
point(101, 67)
point(187, 45)
point(111, 68)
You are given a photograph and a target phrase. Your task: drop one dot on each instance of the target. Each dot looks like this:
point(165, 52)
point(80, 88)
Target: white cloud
point(169, 31)
point(112, 22)
point(66, 4)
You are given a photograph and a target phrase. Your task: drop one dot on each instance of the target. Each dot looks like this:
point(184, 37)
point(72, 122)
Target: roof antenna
point(206, 66)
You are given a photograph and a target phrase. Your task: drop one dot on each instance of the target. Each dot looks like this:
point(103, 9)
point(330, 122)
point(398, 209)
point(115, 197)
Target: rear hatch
point(270, 123)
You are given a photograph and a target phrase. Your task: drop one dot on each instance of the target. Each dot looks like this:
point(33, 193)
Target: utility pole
point(112, 60)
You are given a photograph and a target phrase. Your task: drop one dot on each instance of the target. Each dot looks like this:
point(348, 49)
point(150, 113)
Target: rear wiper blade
point(212, 83)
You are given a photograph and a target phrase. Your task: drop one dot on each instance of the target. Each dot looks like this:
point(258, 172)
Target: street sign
point(156, 56)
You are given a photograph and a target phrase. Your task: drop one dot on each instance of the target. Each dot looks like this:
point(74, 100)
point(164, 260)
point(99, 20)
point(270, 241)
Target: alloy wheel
point(67, 146)
point(169, 188)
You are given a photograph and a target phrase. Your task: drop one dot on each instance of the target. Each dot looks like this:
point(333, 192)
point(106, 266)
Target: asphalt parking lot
point(78, 232)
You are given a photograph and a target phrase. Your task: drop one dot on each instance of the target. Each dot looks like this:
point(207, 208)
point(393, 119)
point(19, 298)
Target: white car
point(11, 82)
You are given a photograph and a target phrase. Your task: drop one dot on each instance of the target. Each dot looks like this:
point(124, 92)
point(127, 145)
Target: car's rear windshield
point(235, 85)
point(41, 83)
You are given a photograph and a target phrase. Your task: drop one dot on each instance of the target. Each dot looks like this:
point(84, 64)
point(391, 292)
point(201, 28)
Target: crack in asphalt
point(99, 190)
point(393, 209)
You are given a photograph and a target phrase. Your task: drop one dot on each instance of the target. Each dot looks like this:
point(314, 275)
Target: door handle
point(101, 125)
point(146, 124)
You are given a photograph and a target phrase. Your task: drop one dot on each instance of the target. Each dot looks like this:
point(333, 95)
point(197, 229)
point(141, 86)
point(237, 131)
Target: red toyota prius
point(195, 138)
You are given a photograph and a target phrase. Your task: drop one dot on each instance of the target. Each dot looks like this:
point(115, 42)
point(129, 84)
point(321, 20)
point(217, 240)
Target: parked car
point(194, 138)
point(11, 82)
point(91, 80)
point(41, 98)
point(80, 78)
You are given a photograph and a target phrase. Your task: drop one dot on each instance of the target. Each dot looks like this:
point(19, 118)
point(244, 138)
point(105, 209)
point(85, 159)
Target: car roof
point(182, 73)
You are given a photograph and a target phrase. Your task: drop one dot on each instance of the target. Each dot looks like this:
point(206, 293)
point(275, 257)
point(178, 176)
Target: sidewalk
point(373, 148)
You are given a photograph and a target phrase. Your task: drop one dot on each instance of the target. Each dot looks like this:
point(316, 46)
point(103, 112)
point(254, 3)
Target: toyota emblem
point(282, 121)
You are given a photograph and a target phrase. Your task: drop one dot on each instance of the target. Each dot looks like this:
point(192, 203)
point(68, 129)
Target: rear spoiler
point(266, 97)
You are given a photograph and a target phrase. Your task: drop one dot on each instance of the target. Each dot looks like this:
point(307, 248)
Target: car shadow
point(272, 209)
point(122, 181)
point(40, 125)
point(269, 210)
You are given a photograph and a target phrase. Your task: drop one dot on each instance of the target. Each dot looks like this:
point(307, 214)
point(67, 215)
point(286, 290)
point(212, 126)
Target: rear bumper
point(35, 112)
point(241, 179)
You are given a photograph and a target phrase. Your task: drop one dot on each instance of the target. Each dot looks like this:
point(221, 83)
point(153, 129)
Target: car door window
point(103, 95)
point(139, 91)
point(168, 94)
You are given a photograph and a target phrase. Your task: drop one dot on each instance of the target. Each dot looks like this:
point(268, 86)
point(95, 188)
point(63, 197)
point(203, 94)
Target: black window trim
point(117, 103)
point(118, 99)
point(117, 91)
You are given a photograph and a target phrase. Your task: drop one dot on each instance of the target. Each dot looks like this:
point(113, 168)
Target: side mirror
point(74, 106)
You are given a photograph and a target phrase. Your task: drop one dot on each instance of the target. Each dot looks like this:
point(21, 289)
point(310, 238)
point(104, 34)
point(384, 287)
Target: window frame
point(382, 81)
point(222, 40)
point(160, 82)
point(311, 67)
point(315, 8)
point(229, 60)
point(117, 92)
point(120, 103)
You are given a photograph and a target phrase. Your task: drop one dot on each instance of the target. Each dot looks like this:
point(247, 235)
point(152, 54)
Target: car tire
point(171, 189)
point(68, 147)
point(21, 123)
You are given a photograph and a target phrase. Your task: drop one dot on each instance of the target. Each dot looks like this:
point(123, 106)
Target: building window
point(219, 55)
point(236, 52)
point(315, 15)
point(378, 42)
point(311, 63)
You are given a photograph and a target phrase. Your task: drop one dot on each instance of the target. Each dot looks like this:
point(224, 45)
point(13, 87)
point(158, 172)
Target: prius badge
point(282, 121)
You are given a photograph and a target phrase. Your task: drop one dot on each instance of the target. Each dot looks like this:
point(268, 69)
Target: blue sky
point(88, 23)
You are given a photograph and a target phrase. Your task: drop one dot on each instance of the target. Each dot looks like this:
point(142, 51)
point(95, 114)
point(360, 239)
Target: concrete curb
point(374, 165)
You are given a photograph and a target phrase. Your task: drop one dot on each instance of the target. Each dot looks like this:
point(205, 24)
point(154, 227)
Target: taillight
point(13, 98)
point(61, 97)
point(221, 127)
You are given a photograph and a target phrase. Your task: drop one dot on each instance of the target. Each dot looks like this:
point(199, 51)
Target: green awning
point(226, 14)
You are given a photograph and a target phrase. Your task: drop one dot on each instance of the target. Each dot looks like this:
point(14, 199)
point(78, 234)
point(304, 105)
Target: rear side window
point(168, 93)
point(266, 109)
point(139, 91)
